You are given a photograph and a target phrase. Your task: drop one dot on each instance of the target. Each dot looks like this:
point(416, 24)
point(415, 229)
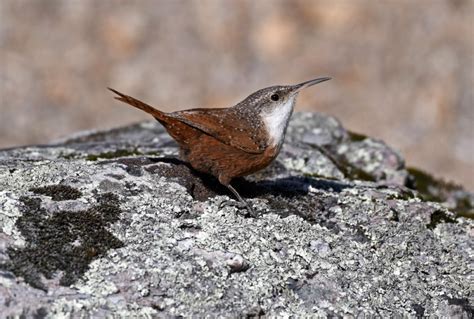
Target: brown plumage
point(230, 142)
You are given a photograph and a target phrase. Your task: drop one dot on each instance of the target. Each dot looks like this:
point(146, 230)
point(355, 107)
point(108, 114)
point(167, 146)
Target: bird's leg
point(225, 180)
point(249, 208)
point(242, 201)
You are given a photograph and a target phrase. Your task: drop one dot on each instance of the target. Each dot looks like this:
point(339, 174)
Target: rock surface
point(112, 223)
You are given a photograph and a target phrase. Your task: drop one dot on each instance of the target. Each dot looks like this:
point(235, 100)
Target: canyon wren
point(234, 141)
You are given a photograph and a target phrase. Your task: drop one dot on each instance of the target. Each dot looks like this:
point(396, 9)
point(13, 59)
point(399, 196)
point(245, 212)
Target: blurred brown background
point(402, 70)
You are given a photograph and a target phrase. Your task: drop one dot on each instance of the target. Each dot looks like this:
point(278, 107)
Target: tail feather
point(181, 132)
point(138, 104)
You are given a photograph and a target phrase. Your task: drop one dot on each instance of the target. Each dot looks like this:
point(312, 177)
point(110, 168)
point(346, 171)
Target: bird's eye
point(275, 97)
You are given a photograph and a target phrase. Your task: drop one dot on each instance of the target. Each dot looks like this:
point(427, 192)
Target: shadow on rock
point(285, 196)
point(204, 186)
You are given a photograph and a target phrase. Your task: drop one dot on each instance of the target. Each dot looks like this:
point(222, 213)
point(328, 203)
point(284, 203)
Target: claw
point(240, 205)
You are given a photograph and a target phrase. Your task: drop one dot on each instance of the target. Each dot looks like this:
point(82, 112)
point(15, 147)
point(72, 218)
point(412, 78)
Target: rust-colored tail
point(181, 132)
point(138, 104)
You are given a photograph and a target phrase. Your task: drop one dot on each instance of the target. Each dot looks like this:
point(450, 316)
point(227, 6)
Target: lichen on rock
point(113, 224)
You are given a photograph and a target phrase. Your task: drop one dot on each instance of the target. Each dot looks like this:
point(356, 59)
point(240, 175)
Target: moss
point(113, 154)
point(355, 173)
point(438, 190)
point(118, 153)
point(65, 241)
point(58, 192)
point(438, 217)
point(464, 208)
point(69, 156)
point(108, 155)
point(356, 137)
point(433, 189)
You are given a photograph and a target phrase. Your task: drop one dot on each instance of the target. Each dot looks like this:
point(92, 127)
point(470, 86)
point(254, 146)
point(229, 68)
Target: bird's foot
point(244, 208)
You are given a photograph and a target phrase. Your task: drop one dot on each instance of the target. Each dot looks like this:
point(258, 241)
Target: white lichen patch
point(8, 216)
point(311, 163)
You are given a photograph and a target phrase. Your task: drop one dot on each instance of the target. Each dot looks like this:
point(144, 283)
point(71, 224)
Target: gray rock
point(113, 224)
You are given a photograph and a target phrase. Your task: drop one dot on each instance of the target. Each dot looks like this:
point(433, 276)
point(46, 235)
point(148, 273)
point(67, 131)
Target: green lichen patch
point(58, 192)
point(63, 241)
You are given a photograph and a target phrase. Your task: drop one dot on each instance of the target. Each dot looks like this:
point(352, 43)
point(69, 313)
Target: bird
point(231, 142)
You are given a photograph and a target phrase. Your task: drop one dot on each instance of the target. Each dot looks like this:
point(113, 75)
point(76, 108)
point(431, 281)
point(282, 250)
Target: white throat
point(277, 120)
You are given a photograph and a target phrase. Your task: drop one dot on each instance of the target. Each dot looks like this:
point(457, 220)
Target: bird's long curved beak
point(300, 86)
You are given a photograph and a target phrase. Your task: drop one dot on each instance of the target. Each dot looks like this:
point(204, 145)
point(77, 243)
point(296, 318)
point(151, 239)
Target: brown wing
point(228, 127)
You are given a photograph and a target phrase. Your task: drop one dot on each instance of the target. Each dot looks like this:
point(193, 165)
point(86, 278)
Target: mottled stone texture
point(112, 223)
